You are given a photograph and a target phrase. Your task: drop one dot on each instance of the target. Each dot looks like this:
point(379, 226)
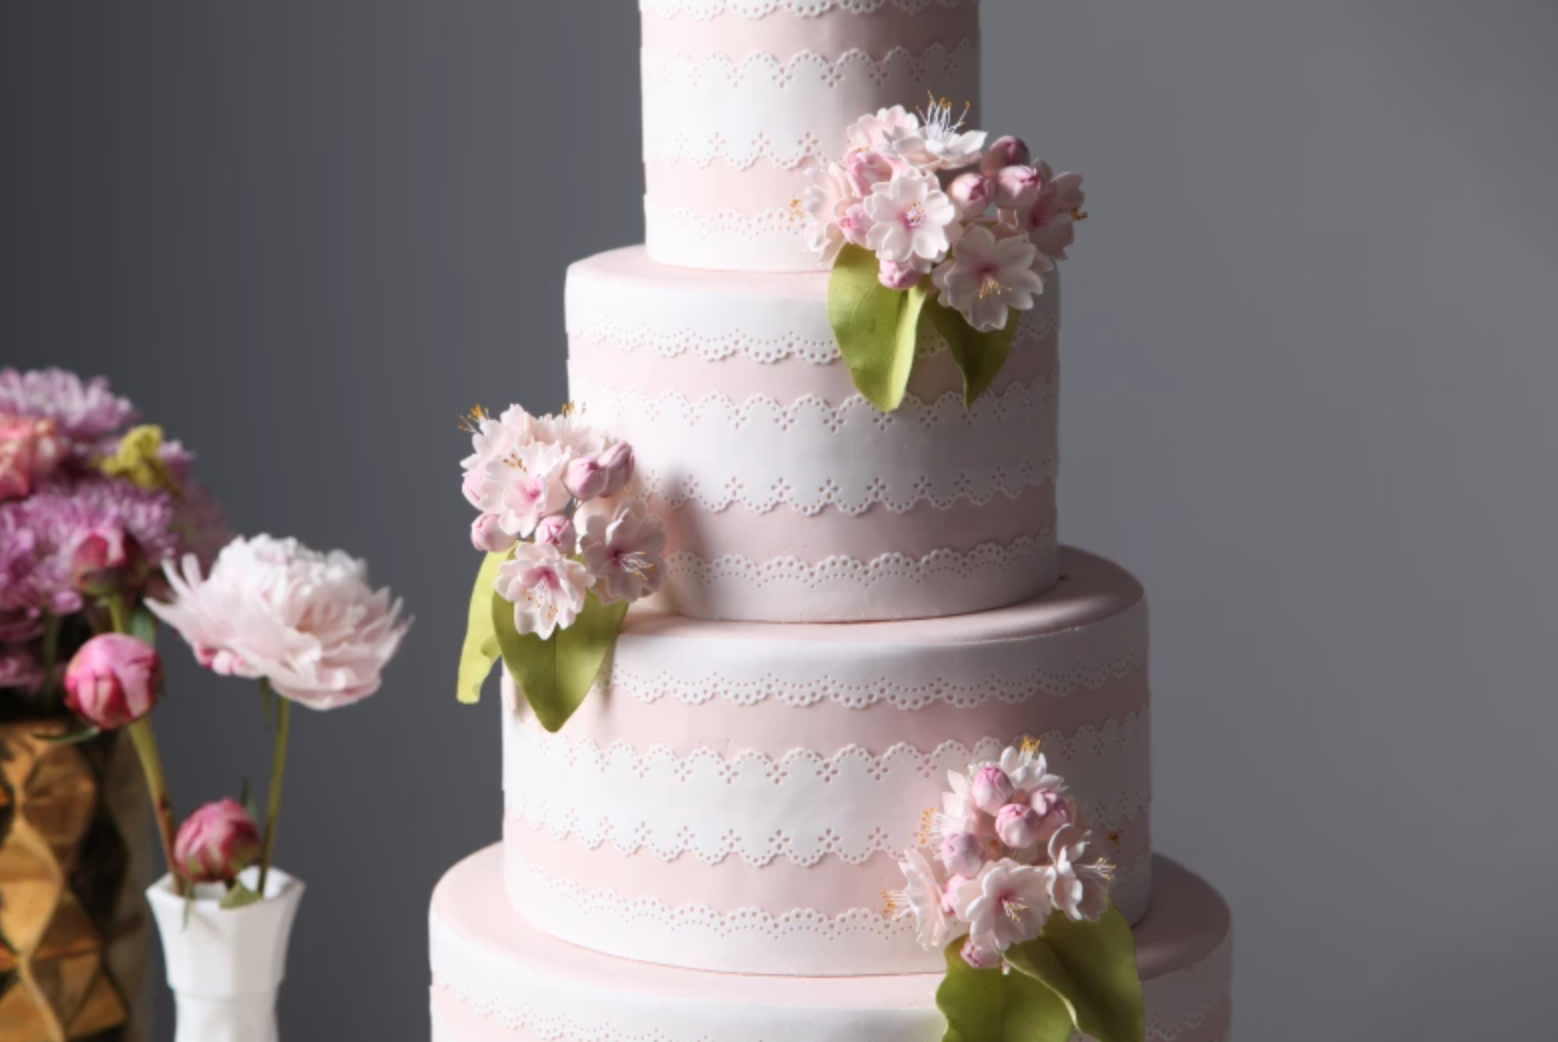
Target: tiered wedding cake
point(855, 603)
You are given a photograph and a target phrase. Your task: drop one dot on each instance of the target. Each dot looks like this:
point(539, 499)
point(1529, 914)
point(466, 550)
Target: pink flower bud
point(619, 464)
point(900, 276)
point(113, 681)
point(1018, 188)
point(866, 170)
point(973, 193)
point(1054, 813)
point(557, 531)
point(216, 843)
point(1007, 151)
point(991, 789)
point(979, 957)
point(1018, 826)
point(474, 486)
point(107, 560)
point(856, 225)
point(585, 479)
point(962, 854)
point(487, 535)
point(18, 457)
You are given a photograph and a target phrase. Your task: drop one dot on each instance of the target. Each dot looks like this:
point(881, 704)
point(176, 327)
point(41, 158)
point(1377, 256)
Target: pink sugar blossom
point(548, 590)
point(558, 530)
point(1008, 904)
point(910, 215)
point(1051, 222)
point(878, 131)
point(988, 278)
point(923, 899)
point(1077, 884)
point(306, 621)
point(624, 550)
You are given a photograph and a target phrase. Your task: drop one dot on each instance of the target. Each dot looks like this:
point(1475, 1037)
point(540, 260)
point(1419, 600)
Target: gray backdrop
point(1309, 356)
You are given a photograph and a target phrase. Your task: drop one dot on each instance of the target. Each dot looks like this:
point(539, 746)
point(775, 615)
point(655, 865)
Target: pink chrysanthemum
point(85, 411)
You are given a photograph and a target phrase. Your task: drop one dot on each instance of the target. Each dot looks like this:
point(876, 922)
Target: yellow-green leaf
point(1091, 968)
point(991, 1006)
point(556, 675)
point(876, 327)
point(980, 356)
point(481, 650)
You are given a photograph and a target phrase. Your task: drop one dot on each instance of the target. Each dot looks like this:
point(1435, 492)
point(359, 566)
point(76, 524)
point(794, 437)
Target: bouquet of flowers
point(570, 545)
point(91, 507)
point(1020, 899)
point(922, 222)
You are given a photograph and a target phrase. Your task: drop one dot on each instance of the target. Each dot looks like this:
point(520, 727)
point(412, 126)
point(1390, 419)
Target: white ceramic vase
point(225, 966)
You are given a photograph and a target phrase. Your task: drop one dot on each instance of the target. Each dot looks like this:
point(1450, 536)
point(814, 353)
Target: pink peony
point(548, 590)
point(308, 622)
point(624, 549)
point(216, 843)
point(29, 451)
point(113, 681)
point(84, 412)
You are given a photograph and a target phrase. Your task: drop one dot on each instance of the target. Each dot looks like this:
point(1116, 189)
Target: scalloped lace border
point(705, 10)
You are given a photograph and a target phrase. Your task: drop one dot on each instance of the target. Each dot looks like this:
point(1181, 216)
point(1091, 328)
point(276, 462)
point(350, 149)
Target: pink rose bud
point(619, 464)
point(1017, 188)
point(991, 789)
point(866, 170)
point(900, 276)
point(856, 225)
point(979, 957)
point(1018, 826)
point(962, 854)
point(557, 531)
point(487, 535)
point(973, 193)
point(113, 681)
point(1007, 151)
point(585, 479)
point(216, 843)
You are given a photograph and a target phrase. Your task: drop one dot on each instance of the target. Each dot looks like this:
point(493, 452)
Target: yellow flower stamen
point(138, 460)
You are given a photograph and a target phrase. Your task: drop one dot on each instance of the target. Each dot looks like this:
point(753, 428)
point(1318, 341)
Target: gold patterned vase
point(76, 853)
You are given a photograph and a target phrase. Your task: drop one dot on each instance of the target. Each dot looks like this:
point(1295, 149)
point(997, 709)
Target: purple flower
point(19, 668)
point(85, 412)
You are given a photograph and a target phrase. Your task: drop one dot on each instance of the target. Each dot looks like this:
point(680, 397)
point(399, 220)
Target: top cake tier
point(741, 95)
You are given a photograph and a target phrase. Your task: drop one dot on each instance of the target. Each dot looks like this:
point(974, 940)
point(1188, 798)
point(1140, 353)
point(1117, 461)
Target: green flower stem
point(145, 741)
point(119, 615)
point(51, 651)
point(278, 773)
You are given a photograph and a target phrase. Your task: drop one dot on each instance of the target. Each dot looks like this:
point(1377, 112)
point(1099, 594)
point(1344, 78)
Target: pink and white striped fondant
point(735, 796)
point(740, 96)
point(497, 979)
point(788, 497)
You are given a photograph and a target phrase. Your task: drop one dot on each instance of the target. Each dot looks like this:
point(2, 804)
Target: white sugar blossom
point(623, 546)
point(526, 486)
point(1076, 884)
point(923, 899)
point(911, 216)
point(1008, 904)
point(940, 141)
point(878, 131)
point(824, 200)
point(988, 277)
point(548, 590)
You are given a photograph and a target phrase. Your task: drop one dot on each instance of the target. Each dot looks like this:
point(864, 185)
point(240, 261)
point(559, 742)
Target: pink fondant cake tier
point(788, 496)
point(497, 979)
point(735, 796)
point(740, 95)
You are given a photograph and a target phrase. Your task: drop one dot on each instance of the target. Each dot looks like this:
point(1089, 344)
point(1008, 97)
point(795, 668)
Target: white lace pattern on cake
point(704, 10)
point(785, 110)
point(671, 320)
point(810, 456)
point(905, 676)
point(802, 806)
point(844, 589)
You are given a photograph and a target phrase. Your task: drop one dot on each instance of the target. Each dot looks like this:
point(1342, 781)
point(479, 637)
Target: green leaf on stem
point(992, 1006)
point(877, 328)
point(143, 625)
point(1091, 968)
point(482, 650)
point(556, 675)
point(239, 896)
point(980, 356)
